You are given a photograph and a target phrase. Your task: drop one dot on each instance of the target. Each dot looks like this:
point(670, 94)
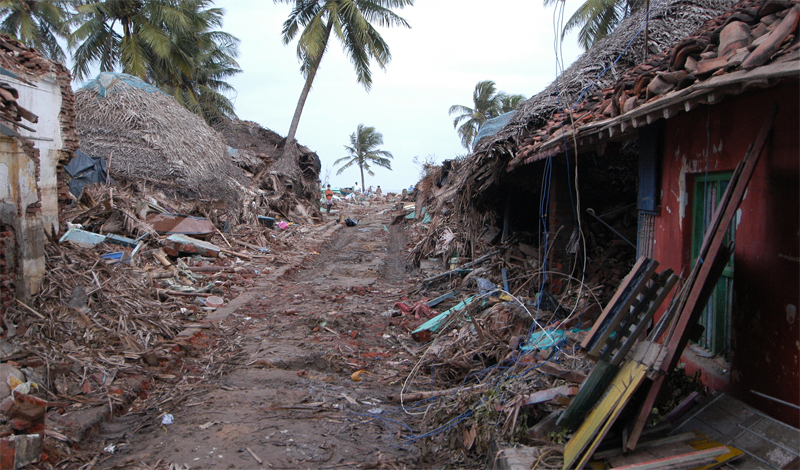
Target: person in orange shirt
point(328, 198)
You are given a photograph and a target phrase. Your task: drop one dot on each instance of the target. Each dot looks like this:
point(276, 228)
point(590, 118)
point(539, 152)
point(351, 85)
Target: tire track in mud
point(293, 400)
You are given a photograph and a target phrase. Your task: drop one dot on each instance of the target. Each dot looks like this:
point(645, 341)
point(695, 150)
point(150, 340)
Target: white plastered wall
point(44, 100)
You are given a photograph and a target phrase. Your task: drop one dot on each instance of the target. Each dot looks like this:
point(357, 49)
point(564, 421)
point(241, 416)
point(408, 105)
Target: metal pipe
point(590, 211)
point(775, 399)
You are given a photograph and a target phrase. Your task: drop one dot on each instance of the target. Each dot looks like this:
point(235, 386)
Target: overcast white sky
point(451, 46)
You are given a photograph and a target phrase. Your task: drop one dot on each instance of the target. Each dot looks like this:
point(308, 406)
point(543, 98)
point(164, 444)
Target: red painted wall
point(766, 327)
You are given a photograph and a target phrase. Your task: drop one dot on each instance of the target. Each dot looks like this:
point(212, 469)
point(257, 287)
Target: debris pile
point(124, 285)
point(499, 366)
point(143, 136)
point(255, 149)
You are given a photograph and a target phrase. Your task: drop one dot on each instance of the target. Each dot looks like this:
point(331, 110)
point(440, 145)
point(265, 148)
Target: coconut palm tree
point(597, 18)
point(351, 21)
point(363, 150)
point(36, 23)
point(484, 106)
point(200, 61)
point(487, 103)
point(508, 102)
point(170, 43)
point(96, 40)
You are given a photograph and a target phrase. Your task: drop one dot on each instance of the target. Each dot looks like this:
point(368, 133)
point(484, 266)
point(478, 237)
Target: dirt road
point(294, 397)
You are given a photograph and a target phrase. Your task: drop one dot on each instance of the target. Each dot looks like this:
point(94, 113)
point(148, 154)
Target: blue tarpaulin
point(493, 126)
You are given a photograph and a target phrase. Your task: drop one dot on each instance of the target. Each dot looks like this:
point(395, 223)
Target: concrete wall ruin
point(23, 265)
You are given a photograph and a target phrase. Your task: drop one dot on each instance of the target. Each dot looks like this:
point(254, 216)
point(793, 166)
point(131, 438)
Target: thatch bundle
point(146, 136)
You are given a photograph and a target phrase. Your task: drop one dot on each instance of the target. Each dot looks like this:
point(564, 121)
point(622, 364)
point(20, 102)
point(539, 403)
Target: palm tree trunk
point(287, 163)
point(363, 186)
point(300, 104)
point(288, 160)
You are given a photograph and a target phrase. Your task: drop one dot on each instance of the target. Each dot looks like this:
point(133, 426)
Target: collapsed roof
point(146, 135)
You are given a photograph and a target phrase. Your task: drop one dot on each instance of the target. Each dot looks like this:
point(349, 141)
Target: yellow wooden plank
point(704, 442)
point(600, 414)
point(638, 374)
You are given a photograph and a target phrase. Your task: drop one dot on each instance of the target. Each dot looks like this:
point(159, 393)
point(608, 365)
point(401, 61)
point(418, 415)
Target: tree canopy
point(598, 18)
point(352, 22)
point(37, 23)
point(487, 103)
point(173, 44)
point(363, 151)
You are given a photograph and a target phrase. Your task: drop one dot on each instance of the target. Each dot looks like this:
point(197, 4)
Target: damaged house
point(38, 137)
point(148, 140)
point(628, 155)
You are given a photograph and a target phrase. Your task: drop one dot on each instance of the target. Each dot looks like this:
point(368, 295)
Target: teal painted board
point(590, 392)
point(436, 322)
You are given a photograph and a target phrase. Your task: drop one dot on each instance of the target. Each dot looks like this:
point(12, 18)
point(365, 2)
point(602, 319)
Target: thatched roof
point(751, 45)
point(145, 135)
point(603, 64)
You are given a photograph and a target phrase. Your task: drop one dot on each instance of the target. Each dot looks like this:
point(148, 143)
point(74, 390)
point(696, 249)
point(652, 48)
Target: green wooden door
point(716, 318)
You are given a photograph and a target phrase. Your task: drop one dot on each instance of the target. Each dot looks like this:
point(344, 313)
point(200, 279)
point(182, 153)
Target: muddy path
point(294, 397)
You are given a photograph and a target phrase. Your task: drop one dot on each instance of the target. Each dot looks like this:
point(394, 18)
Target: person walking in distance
point(328, 198)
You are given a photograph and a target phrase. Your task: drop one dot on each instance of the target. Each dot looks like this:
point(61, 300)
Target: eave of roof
point(664, 107)
point(753, 44)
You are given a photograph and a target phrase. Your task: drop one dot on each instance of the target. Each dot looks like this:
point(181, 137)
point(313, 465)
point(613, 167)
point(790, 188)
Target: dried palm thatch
point(290, 194)
point(669, 21)
point(146, 135)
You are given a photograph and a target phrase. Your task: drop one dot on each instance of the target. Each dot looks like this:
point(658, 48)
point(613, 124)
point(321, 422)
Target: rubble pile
point(489, 356)
point(120, 294)
point(141, 134)
point(255, 149)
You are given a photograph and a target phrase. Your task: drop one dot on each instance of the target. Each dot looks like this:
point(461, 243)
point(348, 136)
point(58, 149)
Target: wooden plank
point(460, 268)
point(549, 394)
point(652, 307)
point(620, 290)
point(627, 386)
point(589, 394)
point(687, 436)
point(689, 460)
point(623, 306)
point(572, 375)
point(687, 404)
point(423, 333)
point(597, 422)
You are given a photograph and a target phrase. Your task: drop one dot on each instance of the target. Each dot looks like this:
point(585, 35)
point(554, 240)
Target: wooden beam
point(690, 460)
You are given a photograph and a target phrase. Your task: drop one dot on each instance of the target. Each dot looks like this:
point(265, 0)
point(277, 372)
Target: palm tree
point(36, 23)
point(487, 103)
point(508, 102)
point(96, 40)
point(200, 61)
point(170, 43)
point(351, 22)
point(364, 150)
point(597, 18)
